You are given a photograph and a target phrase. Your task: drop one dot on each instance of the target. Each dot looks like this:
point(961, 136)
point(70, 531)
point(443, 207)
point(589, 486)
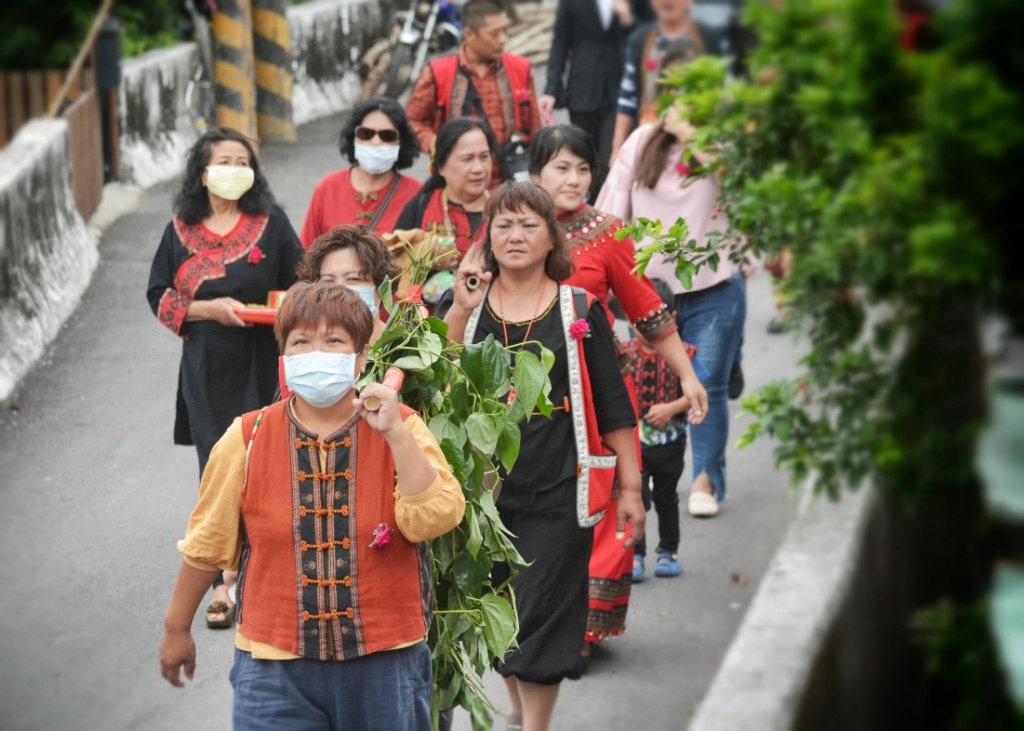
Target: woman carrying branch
point(561, 484)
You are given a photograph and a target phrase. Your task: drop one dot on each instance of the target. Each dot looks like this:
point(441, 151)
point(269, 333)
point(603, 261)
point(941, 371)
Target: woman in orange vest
point(329, 533)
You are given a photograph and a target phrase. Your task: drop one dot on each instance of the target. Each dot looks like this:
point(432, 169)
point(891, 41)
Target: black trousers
point(663, 468)
point(600, 125)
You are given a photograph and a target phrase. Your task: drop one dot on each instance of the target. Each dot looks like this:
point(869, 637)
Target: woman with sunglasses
point(378, 141)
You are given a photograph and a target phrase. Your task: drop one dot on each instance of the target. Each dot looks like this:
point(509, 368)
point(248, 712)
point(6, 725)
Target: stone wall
point(328, 39)
point(155, 125)
point(47, 255)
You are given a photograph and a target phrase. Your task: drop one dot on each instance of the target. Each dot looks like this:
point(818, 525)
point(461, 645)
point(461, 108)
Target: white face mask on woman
point(230, 182)
point(321, 379)
point(376, 159)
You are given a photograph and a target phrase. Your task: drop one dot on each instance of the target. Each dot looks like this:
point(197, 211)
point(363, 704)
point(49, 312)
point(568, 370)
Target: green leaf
point(499, 624)
point(528, 375)
point(484, 430)
point(488, 506)
point(441, 551)
point(470, 571)
point(386, 296)
point(508, 444)
point(475, 537)
point(494, 366)
point(445, 426)
point(456, 458)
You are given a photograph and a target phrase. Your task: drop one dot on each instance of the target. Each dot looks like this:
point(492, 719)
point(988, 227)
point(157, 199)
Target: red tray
point(257, 315)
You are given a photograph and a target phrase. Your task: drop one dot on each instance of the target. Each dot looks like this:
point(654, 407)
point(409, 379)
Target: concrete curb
point(767, 670)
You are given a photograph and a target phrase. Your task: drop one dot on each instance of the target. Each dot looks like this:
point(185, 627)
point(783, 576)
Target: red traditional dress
point(336, 202)
point(604, 265)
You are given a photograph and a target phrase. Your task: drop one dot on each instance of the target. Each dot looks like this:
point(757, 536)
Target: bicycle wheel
point(398, 73)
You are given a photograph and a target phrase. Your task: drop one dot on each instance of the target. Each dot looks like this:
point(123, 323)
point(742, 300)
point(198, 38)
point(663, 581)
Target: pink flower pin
point(256, 255)
point(524, 96)
point(682, 169)
point(651, 65)
point(579, 330)
point(381, 536)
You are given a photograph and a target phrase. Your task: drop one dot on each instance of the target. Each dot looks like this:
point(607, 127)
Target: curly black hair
point(192, 201)
point(408, 142)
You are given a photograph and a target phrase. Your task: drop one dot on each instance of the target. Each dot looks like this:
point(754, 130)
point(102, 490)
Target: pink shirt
point(622, 196)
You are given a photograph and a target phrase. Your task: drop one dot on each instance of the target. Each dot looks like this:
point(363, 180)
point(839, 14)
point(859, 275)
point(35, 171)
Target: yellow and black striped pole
point(234, 66)
point(274, 79)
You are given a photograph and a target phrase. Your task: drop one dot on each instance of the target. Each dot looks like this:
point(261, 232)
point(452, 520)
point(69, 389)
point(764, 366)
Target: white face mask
point(376, 159)
point(230, 182)
point(366, 294)
point(319, 378)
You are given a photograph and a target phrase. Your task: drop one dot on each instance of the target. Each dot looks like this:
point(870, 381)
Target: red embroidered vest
point(517, 68)
point(309, 582)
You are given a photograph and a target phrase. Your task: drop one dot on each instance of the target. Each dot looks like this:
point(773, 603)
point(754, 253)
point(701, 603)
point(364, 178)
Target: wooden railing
point(27, 95)
point(72, 95)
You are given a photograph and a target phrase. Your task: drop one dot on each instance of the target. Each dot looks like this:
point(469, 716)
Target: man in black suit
point(591, 36)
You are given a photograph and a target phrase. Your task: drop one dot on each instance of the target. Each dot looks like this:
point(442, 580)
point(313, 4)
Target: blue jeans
point(713, 319)
point(385, 691)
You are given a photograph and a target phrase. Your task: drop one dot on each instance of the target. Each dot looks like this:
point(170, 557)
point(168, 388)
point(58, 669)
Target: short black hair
point(476, 12)
point(550, 140)
point(192, 201)
point(408, 143)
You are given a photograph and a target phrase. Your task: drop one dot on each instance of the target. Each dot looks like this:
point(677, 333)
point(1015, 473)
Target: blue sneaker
point(638, 568)
point(668, 565)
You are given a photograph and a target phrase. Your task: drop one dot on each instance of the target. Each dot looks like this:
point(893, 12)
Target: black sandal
point(225, 610)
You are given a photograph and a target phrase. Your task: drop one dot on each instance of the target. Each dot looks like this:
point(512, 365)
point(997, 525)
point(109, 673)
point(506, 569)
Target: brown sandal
point(226, 614)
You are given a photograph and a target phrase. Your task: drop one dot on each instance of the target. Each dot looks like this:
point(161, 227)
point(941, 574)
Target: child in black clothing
point(663, 443)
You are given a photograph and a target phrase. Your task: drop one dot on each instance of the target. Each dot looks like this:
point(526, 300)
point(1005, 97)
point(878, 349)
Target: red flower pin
point(381, 536)
point(256, 255)
point(524, 96)
point(682, 169)
point(579, 330)
point(652, 65)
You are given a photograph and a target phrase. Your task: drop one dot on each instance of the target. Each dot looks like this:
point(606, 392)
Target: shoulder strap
point(387, 199)
point(581, 302)
point(250, 425)
point(517, 68)
point(444, 70)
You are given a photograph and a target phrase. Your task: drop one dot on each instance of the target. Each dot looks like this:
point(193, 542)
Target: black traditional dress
point(225, 371)
point(538, 500)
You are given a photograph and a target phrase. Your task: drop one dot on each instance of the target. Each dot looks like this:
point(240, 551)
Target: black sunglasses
point(387, 136)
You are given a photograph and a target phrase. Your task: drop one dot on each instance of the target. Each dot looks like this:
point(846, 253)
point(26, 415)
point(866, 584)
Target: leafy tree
point(892, 178)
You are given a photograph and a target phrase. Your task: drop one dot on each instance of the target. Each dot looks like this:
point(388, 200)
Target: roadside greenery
point(890, 177)
point(39, 34)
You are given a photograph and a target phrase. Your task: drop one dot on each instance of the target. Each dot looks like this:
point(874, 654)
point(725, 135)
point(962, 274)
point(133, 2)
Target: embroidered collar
point(197, 239)
point(586, 226)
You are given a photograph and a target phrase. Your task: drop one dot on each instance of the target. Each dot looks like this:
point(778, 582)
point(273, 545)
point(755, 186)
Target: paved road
point(94, 496)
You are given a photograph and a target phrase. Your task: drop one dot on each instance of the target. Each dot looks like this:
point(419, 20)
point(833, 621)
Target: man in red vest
point(481, 80)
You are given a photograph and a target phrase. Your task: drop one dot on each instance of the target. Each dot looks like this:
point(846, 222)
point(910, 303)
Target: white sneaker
point(702, 505)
